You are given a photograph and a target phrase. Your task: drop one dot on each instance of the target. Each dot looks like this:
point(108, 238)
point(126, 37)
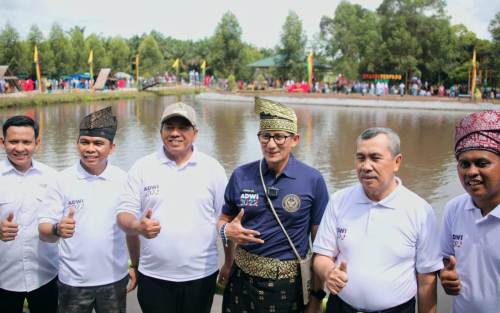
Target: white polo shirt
point(384, 244)
point(187, 201)
point(474, 241)
point(26, 263)
point(97, 253)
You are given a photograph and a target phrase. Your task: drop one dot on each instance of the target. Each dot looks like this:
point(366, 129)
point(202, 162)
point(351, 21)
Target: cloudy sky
point(261, 20)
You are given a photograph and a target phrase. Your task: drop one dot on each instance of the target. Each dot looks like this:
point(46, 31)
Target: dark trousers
point(160, 296)
point(40, 300)
point(110, 298)
point(337, 305)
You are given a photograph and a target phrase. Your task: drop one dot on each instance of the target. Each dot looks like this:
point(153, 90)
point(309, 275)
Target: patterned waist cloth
point(265, 267)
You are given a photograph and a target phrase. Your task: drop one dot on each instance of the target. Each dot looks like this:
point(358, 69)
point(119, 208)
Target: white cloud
point(260, 20)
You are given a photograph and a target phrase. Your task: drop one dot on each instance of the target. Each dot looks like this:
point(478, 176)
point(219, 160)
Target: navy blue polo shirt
point(300, 203)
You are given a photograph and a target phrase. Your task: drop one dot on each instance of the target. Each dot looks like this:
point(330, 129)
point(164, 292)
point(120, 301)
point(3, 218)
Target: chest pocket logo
point(341, 233)
point(249, 199)
point(151, 191)
point(291, 203)
point(457, 240)
point(78, 204)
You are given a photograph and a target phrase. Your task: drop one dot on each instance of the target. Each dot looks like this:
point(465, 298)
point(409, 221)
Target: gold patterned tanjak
point(100, 119)
point(275, 116)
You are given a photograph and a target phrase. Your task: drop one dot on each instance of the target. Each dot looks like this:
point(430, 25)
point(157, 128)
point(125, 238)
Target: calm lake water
point(228, 133)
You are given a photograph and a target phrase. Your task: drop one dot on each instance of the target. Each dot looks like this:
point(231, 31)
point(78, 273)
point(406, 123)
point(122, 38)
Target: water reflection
point(228, 132)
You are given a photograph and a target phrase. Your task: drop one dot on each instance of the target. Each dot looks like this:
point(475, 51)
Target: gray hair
point(394, 141)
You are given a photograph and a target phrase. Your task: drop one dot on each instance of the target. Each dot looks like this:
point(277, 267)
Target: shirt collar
point(392, 201)
point(83, 174)
point(471, 206)
point(6, 167)
point(288, 171)
point(162, 157)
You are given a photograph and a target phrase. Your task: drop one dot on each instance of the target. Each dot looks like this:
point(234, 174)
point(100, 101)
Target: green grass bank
point(19, 100)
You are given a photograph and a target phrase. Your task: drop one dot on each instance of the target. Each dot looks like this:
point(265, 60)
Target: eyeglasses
point(279, 139)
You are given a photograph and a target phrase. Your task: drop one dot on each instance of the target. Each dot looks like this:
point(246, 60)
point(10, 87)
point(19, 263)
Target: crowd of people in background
point(341, 85)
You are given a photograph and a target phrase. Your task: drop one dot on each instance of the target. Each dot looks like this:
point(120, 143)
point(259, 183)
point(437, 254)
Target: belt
point(346, 307)
point(265, 267)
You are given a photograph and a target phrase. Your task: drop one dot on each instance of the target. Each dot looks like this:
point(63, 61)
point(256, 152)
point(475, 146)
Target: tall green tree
point(226, 46)
point(77, 39)
point(62, 50)
point(352, 39)
point(151, 59)
point(494, 29)
point(291, 49)
point(119, 53)
point(101, 58)
point(401, 28)
point(45, 55)
point(12, 50)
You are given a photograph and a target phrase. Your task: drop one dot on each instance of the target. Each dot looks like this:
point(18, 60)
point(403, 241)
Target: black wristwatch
point(55, 230)
point(318, 294)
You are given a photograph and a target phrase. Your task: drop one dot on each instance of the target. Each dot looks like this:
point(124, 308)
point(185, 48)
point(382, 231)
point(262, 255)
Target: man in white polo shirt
point(471, 222)
point(173, 198)
point(28, 267)
point(79, 212)
point(376, 246)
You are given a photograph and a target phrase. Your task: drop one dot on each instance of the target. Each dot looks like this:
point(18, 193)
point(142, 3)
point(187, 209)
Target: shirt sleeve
point(326, 238)
point(130, 199)
point(220, 183)
point(52, 208)
point(428, 258)
point(320, 201)
point(445, 236)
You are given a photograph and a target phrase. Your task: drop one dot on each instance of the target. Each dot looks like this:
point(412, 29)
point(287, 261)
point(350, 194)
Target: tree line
point(408, 37)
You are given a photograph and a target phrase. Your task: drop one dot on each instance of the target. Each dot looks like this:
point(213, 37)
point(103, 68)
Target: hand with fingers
point(132, 283)
point(148, 226)
point(66, 227)
point(236, 233)
point(449, 276)
point(8, 229)
point(336, 279)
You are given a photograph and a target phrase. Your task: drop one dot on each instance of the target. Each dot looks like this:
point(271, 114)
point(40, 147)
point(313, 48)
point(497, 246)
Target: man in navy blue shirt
point(265, 276)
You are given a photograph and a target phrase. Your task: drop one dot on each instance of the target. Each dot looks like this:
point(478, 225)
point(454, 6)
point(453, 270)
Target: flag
point(474, 75)
point(35, 55)
point(310, 67)
point(91, 57)
point(36, 60)
point(176, 64)
point(91, 61)
point(203, 68)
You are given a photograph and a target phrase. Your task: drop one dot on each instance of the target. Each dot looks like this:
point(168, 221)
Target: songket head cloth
point(478, 131)
point(101, 123)
point(275, 116)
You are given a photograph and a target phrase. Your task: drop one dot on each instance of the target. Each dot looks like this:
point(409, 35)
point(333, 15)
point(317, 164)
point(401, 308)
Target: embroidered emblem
point(249, 198)
point(341, 233)
point(291, 203)
point(457, 240)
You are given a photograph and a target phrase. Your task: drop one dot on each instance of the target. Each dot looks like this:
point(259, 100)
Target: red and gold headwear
point(478, 131)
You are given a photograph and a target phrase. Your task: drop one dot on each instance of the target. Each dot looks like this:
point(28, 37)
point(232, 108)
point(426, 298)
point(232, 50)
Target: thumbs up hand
point(236, 233)
point(66, 227)
point(149, 227)
point(449, 276)
point(336, 279)
point(8, 229)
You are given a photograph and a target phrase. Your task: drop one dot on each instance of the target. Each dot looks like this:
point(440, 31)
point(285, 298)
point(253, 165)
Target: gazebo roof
point(273, 61)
